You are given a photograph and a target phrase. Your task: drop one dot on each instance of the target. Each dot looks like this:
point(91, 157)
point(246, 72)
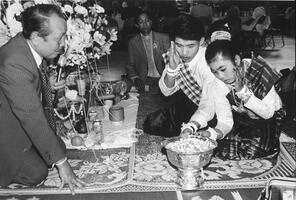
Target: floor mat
point(144, 168)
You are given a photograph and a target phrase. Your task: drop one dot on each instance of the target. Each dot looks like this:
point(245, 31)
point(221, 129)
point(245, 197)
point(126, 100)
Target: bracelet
point(189, 125)
point(172, 74)
point(59, 162)
point(170, 70)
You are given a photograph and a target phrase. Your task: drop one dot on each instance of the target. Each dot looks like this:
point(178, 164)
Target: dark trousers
point(34, 169)
point(167, 122)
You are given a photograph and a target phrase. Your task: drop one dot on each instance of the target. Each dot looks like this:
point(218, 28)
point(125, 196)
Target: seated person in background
point(234, 23)
point(203, 12)
point(187, 73)
point(258, 22)
point(255, 104)
point(145, 53)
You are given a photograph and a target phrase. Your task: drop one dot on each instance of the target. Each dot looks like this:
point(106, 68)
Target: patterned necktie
point(189, 85)
point(47, 100)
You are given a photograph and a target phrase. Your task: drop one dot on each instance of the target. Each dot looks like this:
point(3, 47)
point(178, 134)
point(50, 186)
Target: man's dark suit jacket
point(22, 120)
point(138, 64)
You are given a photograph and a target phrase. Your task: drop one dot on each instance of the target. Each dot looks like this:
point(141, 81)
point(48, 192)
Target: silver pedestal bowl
point(189, 161)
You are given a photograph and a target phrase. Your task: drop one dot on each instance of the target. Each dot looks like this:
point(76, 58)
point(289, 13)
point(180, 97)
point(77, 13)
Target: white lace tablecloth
point(116, 134)
point(122, 134)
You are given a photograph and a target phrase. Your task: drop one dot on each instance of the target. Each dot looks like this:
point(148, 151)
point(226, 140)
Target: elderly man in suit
point(145, 53)
point(28, 143)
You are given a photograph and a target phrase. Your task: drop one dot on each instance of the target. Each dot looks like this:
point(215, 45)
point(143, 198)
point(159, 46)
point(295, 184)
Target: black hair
point(225, 48)
point(219, 25)
point(187, 27)
point(141, 13)
point(36, 18)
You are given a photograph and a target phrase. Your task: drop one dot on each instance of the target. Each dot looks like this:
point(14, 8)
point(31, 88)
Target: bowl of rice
point(191, 152)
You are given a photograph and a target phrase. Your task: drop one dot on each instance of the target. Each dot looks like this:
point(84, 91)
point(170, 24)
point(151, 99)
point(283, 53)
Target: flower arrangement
point(10, 17)
point(88, 37)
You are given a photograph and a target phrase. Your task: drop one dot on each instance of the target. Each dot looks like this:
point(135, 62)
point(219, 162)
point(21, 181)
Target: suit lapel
point(23, 44)
point(141, 48)
point(33, 65)
point(157, 57)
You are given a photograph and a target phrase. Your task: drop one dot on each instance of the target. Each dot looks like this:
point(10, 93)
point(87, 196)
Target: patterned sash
point(261, 77)
point(188, 84)
point(47, 100)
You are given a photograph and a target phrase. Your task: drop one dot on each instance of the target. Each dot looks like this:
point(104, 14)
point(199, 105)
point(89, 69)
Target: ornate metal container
point(190, 165)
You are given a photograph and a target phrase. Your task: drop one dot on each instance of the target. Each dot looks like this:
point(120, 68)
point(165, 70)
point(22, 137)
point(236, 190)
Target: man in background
point(145, 53)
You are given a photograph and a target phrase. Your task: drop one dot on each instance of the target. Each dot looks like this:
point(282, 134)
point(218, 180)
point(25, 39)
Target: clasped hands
point(192, 128)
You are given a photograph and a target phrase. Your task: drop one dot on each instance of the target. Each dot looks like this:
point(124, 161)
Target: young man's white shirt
point(199, 70)
point(213, 102)
point(203, 76)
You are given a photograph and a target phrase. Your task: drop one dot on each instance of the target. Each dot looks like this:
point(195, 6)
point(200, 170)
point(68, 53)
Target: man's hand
point(58, 85)
point(204, 133)
point(189, 129)
point(214, 134)
point(139, 84)
point(186, 133)
point(68, 177)
point(174, 58)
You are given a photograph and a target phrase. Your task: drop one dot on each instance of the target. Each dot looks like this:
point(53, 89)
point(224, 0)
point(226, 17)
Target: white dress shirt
point(148, 46)
point(199, 70)
point(213, 102)
point(203, 76)
point(36, 56)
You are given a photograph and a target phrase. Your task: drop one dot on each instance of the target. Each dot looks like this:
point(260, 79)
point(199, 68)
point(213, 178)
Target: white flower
point(28, 4)
point(14, 25)
point(113, 34)
point(67, 8)
point(99, 38)
point(81, 10)
point(43, 1)
point(80, 1)
point(97, 9)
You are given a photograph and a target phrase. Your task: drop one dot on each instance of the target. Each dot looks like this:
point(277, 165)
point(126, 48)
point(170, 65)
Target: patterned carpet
point(144, 168)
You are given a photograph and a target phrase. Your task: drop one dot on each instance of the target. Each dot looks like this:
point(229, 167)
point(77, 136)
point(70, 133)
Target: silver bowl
point(190, 165)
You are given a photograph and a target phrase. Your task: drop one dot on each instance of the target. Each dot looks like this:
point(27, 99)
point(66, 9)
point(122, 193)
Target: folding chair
point(275, 29)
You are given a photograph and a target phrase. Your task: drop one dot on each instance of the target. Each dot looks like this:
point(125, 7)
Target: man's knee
point(40, 175)
point(33, 170)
